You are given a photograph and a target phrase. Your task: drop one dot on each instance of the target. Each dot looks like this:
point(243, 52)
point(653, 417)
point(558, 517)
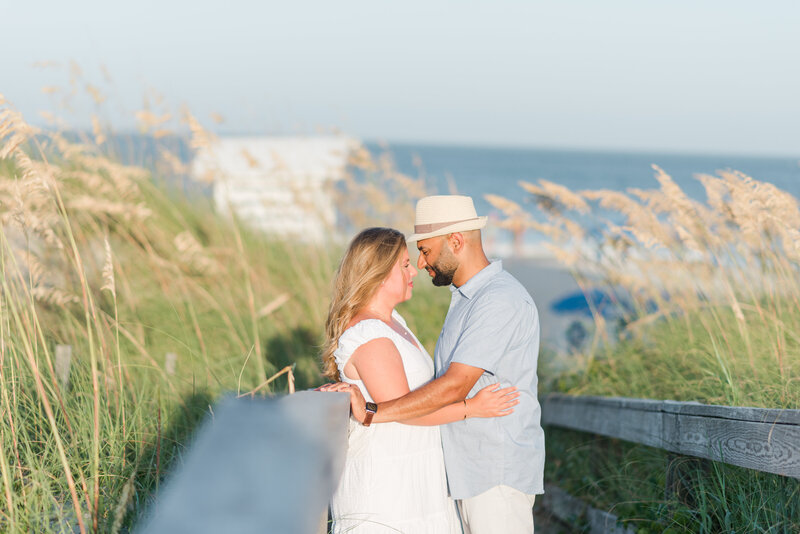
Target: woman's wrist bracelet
point(465, 408)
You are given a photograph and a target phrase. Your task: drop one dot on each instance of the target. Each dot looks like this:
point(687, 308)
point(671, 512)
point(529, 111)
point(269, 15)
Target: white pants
point(499, 510)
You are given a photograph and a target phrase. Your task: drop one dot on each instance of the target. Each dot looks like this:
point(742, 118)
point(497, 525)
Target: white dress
point(394, 479)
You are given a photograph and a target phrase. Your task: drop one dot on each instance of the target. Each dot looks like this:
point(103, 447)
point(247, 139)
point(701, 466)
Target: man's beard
point(444, 269)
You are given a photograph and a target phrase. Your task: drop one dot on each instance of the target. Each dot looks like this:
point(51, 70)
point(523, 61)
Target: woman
point(394, 478)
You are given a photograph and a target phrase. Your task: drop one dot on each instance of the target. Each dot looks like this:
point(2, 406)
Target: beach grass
point(700, 298)
point(704, 307)
point(652, 491)
point(161, 305)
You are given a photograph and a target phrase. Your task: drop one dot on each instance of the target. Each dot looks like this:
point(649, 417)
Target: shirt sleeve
point(494, 326)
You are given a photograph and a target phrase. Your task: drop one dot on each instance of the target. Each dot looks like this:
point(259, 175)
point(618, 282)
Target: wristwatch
point(372, 408)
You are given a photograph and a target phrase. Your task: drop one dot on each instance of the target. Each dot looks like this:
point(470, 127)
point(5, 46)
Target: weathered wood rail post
point(257, 466)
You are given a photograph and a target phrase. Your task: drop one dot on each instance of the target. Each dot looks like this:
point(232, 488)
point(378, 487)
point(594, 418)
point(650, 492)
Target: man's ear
point(456, 241)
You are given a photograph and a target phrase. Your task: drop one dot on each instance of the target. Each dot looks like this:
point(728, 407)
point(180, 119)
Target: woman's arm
point(378, 364)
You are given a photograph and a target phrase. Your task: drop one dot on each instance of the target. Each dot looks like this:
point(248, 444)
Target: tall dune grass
point(95, 256)
point(708, 291)
point(707, 310)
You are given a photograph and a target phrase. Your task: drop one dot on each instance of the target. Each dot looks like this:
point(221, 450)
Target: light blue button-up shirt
point(493, 324)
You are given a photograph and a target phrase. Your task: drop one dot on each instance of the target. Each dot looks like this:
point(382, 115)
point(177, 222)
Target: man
point(491, 334)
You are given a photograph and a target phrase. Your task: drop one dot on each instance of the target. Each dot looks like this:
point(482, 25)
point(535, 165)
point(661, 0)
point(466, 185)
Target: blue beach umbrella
point(579, 302)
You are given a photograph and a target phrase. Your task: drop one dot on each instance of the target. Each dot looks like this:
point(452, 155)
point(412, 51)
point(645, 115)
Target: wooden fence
point(755, 438)
point(258, 465)
point(272, 464)
point(761, 439)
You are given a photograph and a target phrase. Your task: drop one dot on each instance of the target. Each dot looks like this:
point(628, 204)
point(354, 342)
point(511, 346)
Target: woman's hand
point(358, 406)
point(492, 401)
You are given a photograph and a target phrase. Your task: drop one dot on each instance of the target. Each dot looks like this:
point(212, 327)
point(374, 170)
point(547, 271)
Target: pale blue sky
point(699, 76)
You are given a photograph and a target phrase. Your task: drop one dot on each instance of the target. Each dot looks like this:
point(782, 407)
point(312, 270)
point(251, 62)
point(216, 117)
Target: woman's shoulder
point(366, 325)
point(362, 331)
point(364, 322)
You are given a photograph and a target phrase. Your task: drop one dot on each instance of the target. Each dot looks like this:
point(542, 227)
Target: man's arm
point(453, 386)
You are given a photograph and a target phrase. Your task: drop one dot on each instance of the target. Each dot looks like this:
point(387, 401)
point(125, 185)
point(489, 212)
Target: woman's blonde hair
point(367, 262)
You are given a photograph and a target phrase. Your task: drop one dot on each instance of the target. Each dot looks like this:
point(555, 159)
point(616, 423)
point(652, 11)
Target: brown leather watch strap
point(371, 409)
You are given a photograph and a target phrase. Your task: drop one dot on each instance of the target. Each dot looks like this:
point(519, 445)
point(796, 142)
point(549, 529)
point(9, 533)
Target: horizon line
point(488, 145)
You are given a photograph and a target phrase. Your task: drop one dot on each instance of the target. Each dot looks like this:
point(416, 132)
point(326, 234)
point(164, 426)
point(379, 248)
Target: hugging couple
point(419, 447)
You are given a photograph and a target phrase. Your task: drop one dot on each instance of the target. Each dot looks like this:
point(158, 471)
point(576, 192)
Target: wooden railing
point(258, 465)
point(755, 438)
point(271, 465)
point(761, 439)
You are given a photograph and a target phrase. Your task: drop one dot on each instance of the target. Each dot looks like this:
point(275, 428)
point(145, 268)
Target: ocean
point(476, 171)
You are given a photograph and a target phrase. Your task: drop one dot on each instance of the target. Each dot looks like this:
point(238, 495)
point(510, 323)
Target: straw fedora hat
point(445, 214)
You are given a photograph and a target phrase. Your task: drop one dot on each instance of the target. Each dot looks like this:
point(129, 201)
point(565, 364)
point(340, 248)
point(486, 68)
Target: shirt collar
point(480, 279)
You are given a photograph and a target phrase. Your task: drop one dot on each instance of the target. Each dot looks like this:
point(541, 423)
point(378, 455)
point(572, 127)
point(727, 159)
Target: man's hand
point(492, 401)
point(358, 405)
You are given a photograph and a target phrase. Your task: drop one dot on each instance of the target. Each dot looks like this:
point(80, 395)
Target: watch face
point(372, 407)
